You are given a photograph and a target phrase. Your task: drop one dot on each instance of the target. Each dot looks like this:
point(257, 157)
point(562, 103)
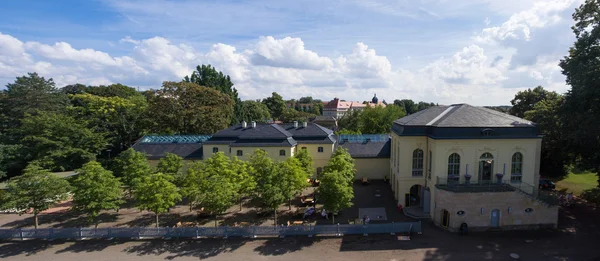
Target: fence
point(199, 232)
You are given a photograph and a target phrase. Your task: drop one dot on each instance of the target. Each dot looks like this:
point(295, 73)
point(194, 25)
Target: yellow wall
point(319, 158)
point(272, 152)
point(207, 149)
point(372, 168)
point(469, 151)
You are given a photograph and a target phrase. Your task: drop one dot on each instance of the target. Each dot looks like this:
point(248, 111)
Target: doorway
point(415, 195)
point(495, 218)
point(445, 218)
point(486, 167)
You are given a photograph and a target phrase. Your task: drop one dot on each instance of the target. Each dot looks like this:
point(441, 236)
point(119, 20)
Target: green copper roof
point(358, 138)
point(174, 138)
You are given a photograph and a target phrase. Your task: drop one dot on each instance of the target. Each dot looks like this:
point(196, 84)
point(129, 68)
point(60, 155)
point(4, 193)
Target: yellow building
point(463, 164)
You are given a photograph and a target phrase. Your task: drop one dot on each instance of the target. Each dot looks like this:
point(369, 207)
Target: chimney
point(253, 124)
point(244, 124)
point(295, 124)
point(304, 124)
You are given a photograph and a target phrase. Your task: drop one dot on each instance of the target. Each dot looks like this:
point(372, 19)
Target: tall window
point(215, 149)
point(429, 160)
point(240, 153)
point(453, 167)
point(417, 164)
point(281, 152)
point(320, 149)
point(516, 169)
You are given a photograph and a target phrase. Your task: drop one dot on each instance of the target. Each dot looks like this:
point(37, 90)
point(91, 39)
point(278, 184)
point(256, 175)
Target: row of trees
point(213, 185)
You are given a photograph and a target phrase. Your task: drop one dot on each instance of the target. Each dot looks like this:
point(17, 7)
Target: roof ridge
point(281, 129)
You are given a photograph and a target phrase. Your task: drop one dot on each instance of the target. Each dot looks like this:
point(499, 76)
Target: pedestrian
point(367, 220)
point(324, 214)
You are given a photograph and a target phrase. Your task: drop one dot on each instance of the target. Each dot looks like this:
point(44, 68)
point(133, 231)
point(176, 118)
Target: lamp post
point(109, 150)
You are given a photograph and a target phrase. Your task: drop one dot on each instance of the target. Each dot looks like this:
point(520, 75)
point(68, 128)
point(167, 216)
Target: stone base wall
point(478, 207)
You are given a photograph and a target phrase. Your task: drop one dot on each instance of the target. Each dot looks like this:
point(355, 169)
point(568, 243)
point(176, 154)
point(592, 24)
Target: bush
point(592, 196)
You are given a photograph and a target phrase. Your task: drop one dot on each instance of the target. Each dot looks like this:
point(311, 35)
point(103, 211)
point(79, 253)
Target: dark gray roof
point(158, 150)
point(311, 130)
point(368, 149)
point(462, 115)
point(289, 142)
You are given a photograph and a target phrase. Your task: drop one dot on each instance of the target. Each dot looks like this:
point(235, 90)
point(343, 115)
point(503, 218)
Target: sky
point(480, 52)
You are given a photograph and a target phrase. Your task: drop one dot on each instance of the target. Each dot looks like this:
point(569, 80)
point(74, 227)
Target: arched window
point(453, 166)
point(281, 152)
point(215, 149)
point(417, 164)
point(240, 153)
point(516, 169)
point(320, 149)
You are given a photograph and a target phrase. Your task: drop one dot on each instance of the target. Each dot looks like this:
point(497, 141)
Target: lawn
point(577, 183)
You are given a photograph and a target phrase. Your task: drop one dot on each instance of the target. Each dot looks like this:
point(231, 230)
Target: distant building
point(338, 108)
point(329, 122)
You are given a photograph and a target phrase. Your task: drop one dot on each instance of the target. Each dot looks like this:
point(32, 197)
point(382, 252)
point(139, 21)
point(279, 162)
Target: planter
point(499, 177)
point(467, 179)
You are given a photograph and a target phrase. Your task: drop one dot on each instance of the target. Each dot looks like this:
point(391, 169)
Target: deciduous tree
point(276, 105)
point(96, 189)
point(335, 193)
point(171, 164)
point(581, 110)
point(36, 190)
point(343, 163)
point(292, 178)
point(306, 161)
point(244, 180)
point(156, 193)
point(132, 167)
point(254, 111)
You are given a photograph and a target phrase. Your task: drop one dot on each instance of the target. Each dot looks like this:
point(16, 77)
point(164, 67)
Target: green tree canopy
point(377, 119)
point(188, 108)
point(276, 105)
point(581, 109)
point(132, 167)
point(334, 192)
point(171, 164)
point(524, 101)
point(208, 76)
point(290, 115)
point(292, 178)
point(243, 178)
point(58, 142)
point(254, 111)
point(156, 193)
point(95, 189)
point(306, 161)
point(343, 163)
point(36, 190)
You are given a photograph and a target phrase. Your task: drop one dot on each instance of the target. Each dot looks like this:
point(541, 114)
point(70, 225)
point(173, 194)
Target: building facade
point(463, 164)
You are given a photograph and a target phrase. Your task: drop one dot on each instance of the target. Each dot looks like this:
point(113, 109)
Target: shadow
point(26, 248)
point(92, 245)
point(186, 248)
point(43, 219)
point(281, 246)
point(164, 220)
point(252, 217)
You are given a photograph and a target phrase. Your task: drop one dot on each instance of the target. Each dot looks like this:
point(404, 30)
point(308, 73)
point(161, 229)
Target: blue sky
point(476, 51)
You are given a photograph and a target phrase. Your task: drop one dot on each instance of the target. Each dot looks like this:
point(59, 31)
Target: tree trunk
point(241, 203)
point(275, 224)
point(332, 218)
point(156, 219)
point(215, 220)
point(35, 217)
point(290, 204)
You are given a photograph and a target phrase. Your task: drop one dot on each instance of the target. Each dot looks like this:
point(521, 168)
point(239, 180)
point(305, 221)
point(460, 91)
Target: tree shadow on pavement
point(280, 246)
point(90, 245)
point(11, 249)
point(186, 248)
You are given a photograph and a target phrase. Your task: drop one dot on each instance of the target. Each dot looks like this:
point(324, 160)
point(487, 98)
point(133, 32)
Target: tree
point(408, 105)
point(208, 76)
point(96, 189)
point(525, 100)
point(269, 189)
point(133, 168)
point(335, 193)
point(157, 194)
point(306, 100)
point(306, 161)
point(581, 109)
point(213, 184)
point(36, 190)
point(113, 90)
point(187, 108)
point(290, 115)
point(28, 95)
point(254, 111)
point(172, 165)
point(291, 178)
point(276, 105)
point(123, 119)
point(546, 115)
point(9, 156)
point(350, 121)
point(58, 142)
point(378, 119)
point(343, 163)
point(243, 179)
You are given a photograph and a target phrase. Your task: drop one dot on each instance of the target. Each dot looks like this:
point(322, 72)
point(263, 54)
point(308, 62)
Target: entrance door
point(445, 218)
point(486, 167)
point(495, 218)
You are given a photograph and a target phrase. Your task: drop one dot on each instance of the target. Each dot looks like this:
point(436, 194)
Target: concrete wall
point(372, 168)
point(472, 203)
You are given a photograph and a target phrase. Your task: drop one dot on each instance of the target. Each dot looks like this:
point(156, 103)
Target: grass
point(577, 183)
